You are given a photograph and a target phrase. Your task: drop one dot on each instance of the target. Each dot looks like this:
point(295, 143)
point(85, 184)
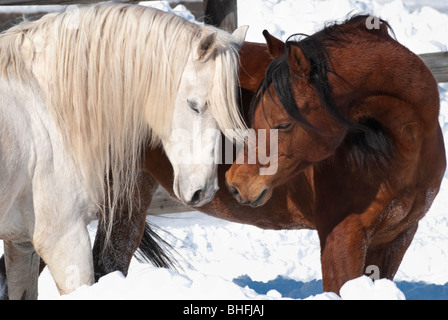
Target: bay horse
point(356, 114)
point(81, 94)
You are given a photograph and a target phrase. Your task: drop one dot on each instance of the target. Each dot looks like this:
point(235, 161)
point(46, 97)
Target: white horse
point(80, 93)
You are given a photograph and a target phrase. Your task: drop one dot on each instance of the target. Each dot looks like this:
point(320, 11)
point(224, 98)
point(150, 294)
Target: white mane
point(110, 75)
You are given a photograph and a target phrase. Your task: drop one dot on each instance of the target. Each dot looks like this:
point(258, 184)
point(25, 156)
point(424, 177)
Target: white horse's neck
point(107, 76)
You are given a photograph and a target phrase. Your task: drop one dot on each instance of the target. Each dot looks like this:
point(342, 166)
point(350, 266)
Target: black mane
point(314, 48)
point(367, 144)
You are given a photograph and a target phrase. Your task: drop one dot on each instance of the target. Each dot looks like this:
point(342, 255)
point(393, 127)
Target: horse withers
point(356, 115)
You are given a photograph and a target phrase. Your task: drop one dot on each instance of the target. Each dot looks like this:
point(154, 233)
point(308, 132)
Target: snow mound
point(150, 283)
point(145, 282)
point(363, 288)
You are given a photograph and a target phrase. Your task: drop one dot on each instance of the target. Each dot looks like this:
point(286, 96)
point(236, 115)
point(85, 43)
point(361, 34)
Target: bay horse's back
point(406, 96)
point(420, 92)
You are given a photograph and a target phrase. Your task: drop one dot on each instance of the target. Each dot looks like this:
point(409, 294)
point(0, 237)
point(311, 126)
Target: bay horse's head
point(295, 104)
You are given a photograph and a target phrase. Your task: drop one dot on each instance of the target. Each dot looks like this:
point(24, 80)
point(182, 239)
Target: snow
point(31, 9)
point(364, 288)
point(422, 30)
point(219, 259)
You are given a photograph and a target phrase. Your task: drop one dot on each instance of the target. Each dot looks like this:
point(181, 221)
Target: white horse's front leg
point(22, 270)
point(67, 252)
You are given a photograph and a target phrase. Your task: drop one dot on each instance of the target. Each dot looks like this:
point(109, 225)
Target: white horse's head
point(194, 145)
point(150, 74)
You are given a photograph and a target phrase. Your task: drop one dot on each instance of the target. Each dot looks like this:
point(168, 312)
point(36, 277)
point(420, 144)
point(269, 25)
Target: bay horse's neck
point(376, 67)
point(254, 59)
point(383, 86)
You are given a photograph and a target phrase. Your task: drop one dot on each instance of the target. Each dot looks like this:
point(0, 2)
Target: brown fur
point(364, 214)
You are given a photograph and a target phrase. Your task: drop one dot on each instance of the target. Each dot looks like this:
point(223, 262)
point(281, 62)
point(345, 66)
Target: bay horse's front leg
point(127, 230)
point(343, 253)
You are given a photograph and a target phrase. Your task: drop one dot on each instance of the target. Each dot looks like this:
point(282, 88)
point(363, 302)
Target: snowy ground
point(224, 260)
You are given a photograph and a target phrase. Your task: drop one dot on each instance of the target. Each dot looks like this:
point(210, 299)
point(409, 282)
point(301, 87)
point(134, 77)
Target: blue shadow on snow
point(300, 290)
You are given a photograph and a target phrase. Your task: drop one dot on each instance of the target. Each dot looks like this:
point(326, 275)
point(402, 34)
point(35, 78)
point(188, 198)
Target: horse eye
point(193, 106)
point(283, 126)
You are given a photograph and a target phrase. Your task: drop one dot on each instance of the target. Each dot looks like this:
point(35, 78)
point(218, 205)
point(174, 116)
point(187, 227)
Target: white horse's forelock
point(110, 75)
point(224, 91)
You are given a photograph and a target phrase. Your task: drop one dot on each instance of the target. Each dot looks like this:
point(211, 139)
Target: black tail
point(153, 249)
point(371, 149)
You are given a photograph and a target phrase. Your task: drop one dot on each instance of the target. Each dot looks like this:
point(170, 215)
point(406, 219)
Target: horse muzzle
point(260, 199)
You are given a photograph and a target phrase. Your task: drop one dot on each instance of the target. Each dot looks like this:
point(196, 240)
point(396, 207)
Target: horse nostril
point(196, 197)
point(233, 191)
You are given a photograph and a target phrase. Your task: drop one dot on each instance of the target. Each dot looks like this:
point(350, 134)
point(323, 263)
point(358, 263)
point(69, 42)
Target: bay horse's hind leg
point(384, 260)
point(22, 270)
point(385, 257)
point(127, 231)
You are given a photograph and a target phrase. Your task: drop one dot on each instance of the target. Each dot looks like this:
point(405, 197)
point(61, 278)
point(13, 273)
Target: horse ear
point(238, 36)
point(297, 61)
point(206, 46)
point(276, 47)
